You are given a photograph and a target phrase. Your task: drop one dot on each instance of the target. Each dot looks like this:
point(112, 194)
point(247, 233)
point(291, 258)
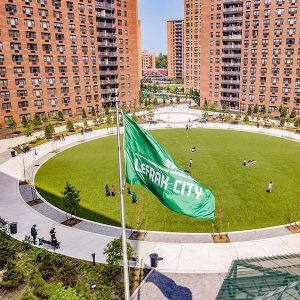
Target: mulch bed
point(71, 222)
point(224, 238)
point(34, 202)
point(137, 235)
point(295, 228)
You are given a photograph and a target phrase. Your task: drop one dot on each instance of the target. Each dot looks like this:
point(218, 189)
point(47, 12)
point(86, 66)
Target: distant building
point(243, 53)
point(175, 48)
point(155, 73)
point(148, 60)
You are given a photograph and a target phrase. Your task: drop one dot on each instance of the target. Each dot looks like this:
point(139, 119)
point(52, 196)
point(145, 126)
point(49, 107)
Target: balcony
point(237, 82)
point(106, 25)
point(105, 44)
point(108, 54)
point(109, 72)
point(235, 46)
point(232, 28)
point(230, 55)
point(236, 37)
point(230, 64)
point(104, 5)
point(233, 73)
point(109, 91)
point(233, 19)
point(107, 82)
point(232, 9)
point(106, 35)
point(230, 99)
point(234, 91)
point(105, 15)
point(233, 1)
point(108, 63)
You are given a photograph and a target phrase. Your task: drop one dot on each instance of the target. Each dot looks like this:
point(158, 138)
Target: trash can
point(153, 260)
point(13, 153)
point(13, 227)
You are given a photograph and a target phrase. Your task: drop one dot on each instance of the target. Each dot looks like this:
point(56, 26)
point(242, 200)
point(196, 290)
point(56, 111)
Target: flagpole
point(124, 241)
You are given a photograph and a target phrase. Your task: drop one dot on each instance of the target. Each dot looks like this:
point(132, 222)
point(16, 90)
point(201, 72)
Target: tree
point(12, 124)
point(51, 128)
point(225, 107)
point(85, 123)
point(47, 132)
point(93, 112)
point(71, 199)
point(36, 120)
point(24, 122)
point(293, 113)
point(70, 125)
point(114, 252)
point(297, 123)
point(213, 107)
point(28, 130)
point(246, 118)
point(263, 110)
point(255, 109)
point(155, 102)
point(164, 100)
point(59, 116)
point(282, 122)
point(162, 61)
point(106, 110)
point(249, 112)
point(83, 113)
point(205, 107)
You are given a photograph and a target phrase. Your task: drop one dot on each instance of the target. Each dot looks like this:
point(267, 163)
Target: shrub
point(297, 123)
point(48, 133)
point(37, 283)
point(59, 116)
point(24, 121)
point(113, 250)
point(12, 276)
point(36, 120)
point(28, 294)
point(282, 122)
point(246, 118)
point(93, 112)
point(83, 113)
point(56, 291)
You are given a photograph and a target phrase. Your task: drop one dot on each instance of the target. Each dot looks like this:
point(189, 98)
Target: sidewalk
point(178, 257)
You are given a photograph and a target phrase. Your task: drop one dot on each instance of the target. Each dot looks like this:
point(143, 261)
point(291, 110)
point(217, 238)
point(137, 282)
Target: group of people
point(249, 163)
point(25, 148)
point(61, 137)
point(112, 192)
point(34, 231)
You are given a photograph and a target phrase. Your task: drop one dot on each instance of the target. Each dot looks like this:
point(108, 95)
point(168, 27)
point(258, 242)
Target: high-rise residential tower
point(58, 55)
point(148, 60)
point(175, 47)
point(243, 53)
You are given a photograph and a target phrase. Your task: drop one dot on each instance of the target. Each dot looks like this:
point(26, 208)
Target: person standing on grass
point(113, 192)
point(33, 233)
point(107, 190)
point(133, 198)
point(191, 162)
point(129, 191)
point(270, 187)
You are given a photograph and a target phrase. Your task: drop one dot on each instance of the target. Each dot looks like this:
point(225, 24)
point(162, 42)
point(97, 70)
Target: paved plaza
point(182, 253)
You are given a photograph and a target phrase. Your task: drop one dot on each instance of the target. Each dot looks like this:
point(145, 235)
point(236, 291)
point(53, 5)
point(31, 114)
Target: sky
point(153, 15)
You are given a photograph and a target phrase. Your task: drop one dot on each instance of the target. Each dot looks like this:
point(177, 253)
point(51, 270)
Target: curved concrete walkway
point(179, 255)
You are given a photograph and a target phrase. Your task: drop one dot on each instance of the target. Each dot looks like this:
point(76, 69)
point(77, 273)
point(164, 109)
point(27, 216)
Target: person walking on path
point(134, 198)
point(107, 190)
point(113, 191)
point(62, 137)
point(129, 191)
point(270, 187)
point(52, 234)
point(33, 233)
point(191, 162)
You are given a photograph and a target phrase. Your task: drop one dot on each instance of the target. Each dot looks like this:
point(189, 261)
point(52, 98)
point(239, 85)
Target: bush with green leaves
point(11, 123)
point(246, 118)
point(59, 116)
point(93, 112)
point(249, 111)
point(28, 294)
point(47, 132)
point(37, 283)
point(56, 291)
point(114, 252)
point(255, 109)
point(83, 113)
point(7, 249)
point(36, 120)
point(70, 125)
point(12, 276)
point(282, 122)
point(24, 122)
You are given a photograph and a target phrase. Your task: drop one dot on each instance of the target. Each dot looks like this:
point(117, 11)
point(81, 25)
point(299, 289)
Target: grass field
point(217, 164)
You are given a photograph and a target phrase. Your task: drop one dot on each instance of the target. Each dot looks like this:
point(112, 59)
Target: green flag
point(148, 164)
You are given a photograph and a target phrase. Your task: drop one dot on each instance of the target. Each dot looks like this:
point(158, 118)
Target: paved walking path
point(181, 253)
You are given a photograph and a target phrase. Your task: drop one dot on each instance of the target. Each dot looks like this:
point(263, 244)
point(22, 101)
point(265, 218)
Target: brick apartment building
point(58, 55)
point(242, 53)
point(175, 47)
point(148, 60)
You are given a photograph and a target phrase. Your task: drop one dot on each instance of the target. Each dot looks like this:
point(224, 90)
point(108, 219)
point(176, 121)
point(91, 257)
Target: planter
point(294, 228)
point(71, 222)
point(224, 238)
point(138, 235)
